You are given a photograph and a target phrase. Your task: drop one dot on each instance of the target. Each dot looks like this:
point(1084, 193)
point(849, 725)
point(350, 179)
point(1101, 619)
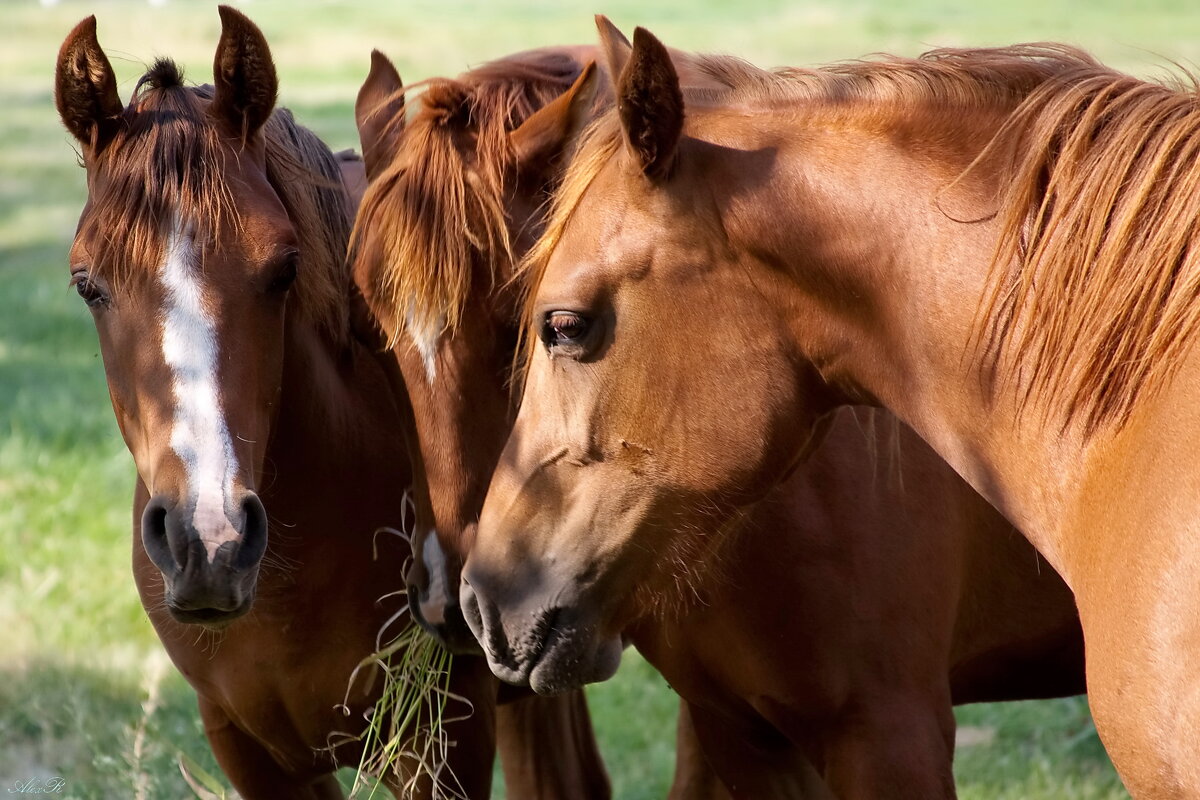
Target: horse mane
point(441, 198)
point(1093, 284)
point(951, 77)
point(168, 159)
point(1092, 303)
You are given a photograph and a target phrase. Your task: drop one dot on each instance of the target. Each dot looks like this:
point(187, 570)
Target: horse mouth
point(453, 634)
point(569, 660)
point(569, 655)
point(555, 653)
point(214, 619)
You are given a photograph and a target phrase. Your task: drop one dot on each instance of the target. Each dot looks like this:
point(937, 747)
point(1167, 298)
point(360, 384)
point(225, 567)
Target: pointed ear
point(379, 113)
point(85, 88)
point(614, 45)
point(650, 104)
point(540, 142)
point(244, 76)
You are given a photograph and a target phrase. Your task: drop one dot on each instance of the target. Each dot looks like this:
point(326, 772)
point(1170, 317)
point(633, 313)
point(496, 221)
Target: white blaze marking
point(425, 335)
point(199, 435)
point(436, 598)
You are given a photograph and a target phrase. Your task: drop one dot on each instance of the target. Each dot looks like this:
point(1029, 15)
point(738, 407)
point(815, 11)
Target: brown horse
point(998, 245)
point(825, 661)
point(211, 252)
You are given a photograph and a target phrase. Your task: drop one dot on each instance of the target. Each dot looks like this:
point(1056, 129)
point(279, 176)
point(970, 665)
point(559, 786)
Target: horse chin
point(566, 664)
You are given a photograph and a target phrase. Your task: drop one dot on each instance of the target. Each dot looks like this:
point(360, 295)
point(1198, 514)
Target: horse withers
point(267, 436)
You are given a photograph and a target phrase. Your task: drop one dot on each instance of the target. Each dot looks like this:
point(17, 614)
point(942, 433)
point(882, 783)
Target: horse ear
point(379, 113)
point(244, 76)
point(85, 88)
point(541, 140)
point(650, 104)
point(615, 46)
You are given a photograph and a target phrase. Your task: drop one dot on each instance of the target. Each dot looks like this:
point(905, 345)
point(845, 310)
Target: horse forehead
point(611, 243)
point(264, 229)
point(261, 215)
point(253, 230)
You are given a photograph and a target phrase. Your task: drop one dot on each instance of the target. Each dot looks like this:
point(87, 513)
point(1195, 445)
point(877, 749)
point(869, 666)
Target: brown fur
point(1079, 130)
point(650, 104)
point(430, 215)
point(945, 78)
point(859, 240)
point(244, 76)
point(778, 692)
point(87, 95)
point(166, 125)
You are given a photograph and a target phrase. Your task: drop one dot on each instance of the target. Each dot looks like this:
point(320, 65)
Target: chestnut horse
point(211, 253)
point(823, 661)
point(999, 245)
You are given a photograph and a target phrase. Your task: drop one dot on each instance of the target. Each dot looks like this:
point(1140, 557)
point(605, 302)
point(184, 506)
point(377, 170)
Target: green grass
point(78, 660)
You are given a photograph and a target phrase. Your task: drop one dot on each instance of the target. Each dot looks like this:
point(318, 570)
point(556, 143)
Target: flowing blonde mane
point(440, 201)
point(1095, 280)
point(1094, 283)
point(169, 158)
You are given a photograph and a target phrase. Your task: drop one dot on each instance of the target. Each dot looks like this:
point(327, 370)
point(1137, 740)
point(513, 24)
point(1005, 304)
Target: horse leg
point(254, 773)
point(695, 779)
point(892, 747)
point(548, 749)
point(750, 772)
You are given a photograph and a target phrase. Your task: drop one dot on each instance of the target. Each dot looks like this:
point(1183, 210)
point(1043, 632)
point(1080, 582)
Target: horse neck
point(337, 416)
point(885, 282)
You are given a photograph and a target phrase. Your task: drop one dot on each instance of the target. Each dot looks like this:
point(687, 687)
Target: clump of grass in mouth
point(405, 736)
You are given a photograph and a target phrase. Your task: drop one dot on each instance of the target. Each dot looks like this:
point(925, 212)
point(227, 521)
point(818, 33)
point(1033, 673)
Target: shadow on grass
point(99, 729)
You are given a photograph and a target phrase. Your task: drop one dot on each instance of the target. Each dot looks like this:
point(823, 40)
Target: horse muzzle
point(206, 581)
point(550, 649)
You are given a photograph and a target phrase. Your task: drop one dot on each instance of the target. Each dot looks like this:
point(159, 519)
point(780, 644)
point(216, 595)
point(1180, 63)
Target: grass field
point(85, 692)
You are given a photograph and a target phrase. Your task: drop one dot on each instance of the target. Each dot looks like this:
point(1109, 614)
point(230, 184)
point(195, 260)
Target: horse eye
point(89, 290)
point(564, 327)
point(285, 276)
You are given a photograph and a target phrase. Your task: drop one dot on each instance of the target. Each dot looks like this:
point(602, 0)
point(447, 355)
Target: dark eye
point(91, 292)
point(285, 275)
point(564, 328)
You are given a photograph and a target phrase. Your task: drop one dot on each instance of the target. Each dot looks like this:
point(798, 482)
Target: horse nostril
point(254, 533)
point(167, 548)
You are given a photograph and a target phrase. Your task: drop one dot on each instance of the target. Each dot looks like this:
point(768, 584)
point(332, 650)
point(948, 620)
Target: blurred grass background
point(85, 691)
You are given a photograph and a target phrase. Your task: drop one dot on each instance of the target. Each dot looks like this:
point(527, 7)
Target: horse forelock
point(438, 208)
point(598, 143)
point(168, 164)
